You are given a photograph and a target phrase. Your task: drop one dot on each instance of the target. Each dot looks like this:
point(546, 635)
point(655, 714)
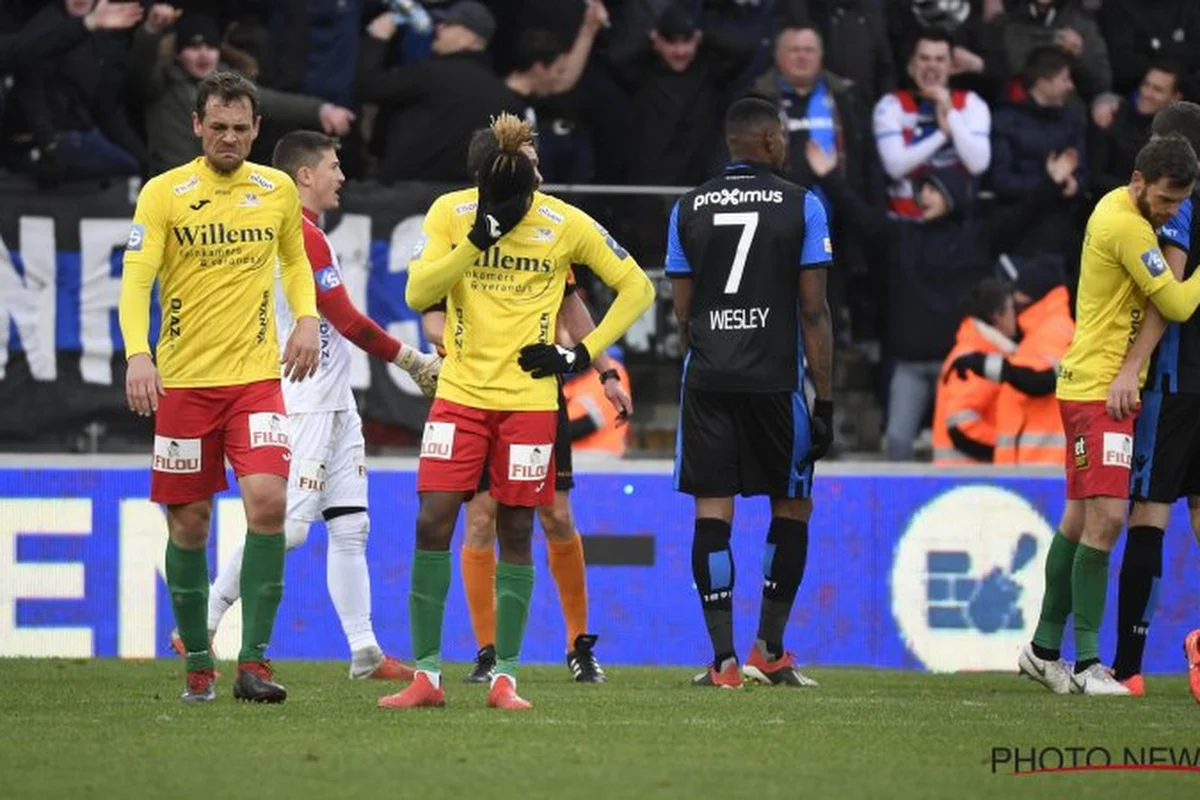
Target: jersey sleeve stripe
point(677, 260)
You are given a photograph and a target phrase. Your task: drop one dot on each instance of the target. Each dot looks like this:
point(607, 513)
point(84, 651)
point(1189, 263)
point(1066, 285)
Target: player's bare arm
point(1124, 396)
point(817, 325)
point(681, 289)
point(434, 325)
point(574, 316)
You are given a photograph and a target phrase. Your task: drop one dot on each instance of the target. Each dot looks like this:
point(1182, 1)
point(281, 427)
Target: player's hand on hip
point(620, 399)
point(302, 355)
point(820, 430)
point(544, 360)
point(143, 385)
point(1124, 395)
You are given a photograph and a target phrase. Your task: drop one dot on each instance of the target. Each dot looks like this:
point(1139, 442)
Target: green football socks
point(262, 589)
point(187, 579)
point(427, 606)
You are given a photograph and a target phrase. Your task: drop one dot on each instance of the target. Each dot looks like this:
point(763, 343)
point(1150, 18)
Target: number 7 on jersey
point(748, 221)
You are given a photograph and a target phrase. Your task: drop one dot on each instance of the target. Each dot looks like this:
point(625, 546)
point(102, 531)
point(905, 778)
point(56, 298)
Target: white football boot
point(1054, 675)
point(1098, 679)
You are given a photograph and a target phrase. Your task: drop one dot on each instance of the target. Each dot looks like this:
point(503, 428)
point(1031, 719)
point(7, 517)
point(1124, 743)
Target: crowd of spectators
point(887, 102)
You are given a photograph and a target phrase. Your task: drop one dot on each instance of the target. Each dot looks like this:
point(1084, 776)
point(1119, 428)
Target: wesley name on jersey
point(736, 237)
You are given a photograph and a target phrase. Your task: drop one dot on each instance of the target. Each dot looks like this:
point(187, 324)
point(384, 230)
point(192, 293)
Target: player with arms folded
point(211, 232)
point(1166, 439)
point(1121, 267)
point(487, 251)
point(740, 248)
point(329, 474)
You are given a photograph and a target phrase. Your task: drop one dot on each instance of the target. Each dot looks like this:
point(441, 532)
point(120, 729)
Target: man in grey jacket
point(169, 86)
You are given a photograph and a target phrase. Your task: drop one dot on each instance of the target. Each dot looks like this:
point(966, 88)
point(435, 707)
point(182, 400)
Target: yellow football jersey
point(213, 240)
point(1120, 267)
point(509, 296)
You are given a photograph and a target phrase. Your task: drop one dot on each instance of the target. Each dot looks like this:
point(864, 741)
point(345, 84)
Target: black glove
point(970, 362)
point(821, 430)
point(503, 200)
point(544, 360)
point(493, 221)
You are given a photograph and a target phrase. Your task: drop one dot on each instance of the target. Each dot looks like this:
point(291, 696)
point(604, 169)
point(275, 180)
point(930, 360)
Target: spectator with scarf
point(827, 109)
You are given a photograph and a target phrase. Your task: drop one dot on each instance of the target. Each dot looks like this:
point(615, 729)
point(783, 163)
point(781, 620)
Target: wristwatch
point(609, 374)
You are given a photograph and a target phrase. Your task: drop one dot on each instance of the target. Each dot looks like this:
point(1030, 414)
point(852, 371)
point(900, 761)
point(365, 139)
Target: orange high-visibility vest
point(585, 398)
point(1029, 429)
point(969, 403)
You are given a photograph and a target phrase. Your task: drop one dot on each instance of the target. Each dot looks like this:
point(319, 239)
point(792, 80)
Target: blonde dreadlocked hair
point(496, 160)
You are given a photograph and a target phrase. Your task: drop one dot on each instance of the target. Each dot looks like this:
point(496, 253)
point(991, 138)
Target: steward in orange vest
point(1028, 424)
point(964, 413)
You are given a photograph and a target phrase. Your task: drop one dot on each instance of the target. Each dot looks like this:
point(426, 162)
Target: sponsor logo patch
point(1118, 450)
point(137, 236)
point(187, 186)
point(528, 462)
point(466, 208)
point(176, 455)
point(1081, 453)
point(736, 197)
point(550, 214)
point(438, 441)
point(328, 278)
point(310, 475)
point(268, 429)
point(267, 185)
point(1155, 263)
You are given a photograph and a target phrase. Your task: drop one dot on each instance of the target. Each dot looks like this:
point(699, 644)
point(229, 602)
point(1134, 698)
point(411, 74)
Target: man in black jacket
point(429, 109)
point(678, 96)
point(38, 40)
point(932, 263)
point(1123, 126)
point(66, 116)
point(1140, 32)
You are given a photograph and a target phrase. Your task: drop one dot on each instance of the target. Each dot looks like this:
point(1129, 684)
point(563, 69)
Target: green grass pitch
point(100, 729)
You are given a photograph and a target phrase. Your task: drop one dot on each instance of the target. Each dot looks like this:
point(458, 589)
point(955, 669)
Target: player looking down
point(328, 467)
point(211, 231)
point(499, 254)
point(1121, 267)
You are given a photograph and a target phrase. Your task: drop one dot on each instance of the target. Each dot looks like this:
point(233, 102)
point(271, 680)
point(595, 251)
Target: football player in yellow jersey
point(500, 255)
point(564, 545)
point(210, 232)
point(1121, 268)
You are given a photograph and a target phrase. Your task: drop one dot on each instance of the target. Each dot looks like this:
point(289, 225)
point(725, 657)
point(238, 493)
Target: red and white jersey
point(329, 389)
point(910, 142)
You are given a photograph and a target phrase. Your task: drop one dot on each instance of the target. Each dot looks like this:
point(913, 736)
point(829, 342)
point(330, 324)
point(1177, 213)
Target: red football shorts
point(516, 446)
point(195, 430)
point(1099, 450)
